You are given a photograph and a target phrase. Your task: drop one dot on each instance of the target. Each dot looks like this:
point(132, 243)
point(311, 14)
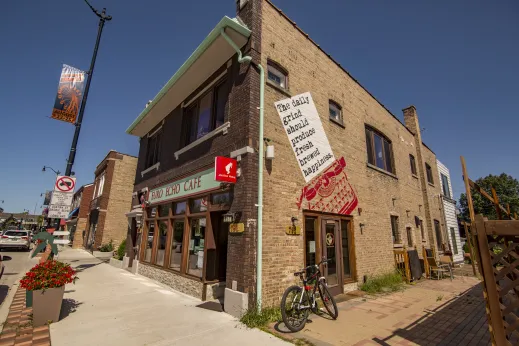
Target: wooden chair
point(434, 266)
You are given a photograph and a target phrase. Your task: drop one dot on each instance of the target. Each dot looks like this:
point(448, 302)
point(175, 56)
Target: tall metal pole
point(103, 17)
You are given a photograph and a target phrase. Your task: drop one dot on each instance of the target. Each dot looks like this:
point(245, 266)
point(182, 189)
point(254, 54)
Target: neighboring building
point(449, 214)
point(77, 220)
point(21, 220)
point(111, 198)
point(380, 192)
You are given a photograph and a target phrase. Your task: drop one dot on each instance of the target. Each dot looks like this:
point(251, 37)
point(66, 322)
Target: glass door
point(332, 252)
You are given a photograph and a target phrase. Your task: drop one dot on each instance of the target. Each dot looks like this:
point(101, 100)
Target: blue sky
point(456, 61)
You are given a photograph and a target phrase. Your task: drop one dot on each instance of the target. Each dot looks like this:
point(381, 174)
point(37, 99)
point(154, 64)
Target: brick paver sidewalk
point(18, 330)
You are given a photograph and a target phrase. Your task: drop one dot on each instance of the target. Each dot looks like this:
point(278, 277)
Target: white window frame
point(335, 107)
point(101, 185)
point(277, 72)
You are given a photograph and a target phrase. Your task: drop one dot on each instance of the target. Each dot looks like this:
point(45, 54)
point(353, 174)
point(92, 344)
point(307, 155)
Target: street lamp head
point(43, 169)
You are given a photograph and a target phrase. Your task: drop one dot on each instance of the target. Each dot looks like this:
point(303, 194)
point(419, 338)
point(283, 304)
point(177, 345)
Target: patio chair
point(439, 268)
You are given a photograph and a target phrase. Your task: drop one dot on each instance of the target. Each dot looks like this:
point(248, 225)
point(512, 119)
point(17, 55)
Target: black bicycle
point(298, 301)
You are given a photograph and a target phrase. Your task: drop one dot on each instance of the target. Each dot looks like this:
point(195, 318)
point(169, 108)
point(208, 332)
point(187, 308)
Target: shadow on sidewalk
point(68, 307)
point(461, 320)
point(4, 290)
point(83, 267)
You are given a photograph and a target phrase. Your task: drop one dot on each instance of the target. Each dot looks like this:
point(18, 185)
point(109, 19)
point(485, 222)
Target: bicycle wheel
point(293, 316)
point(328, 301)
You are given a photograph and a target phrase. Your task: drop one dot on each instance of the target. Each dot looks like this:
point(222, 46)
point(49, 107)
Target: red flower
point(49, 274)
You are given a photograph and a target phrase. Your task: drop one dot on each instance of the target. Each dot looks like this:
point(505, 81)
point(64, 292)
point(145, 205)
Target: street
point(17, 263)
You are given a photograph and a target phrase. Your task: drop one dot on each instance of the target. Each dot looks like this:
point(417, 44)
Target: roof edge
point(213, 35)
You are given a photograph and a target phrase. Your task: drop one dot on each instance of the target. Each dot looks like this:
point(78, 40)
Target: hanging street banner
point(306, 134)
point(70, 93)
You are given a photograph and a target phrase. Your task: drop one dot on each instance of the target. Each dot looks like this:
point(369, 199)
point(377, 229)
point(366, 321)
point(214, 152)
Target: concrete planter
point(116, 263)
point(46, 305)
point(105, 256)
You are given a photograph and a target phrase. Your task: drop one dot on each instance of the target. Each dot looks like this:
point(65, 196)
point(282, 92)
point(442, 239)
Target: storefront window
point(310, 238)
point(152, 212)
point(224, 198)
point(164, 209)
point(149, 241)
point(195, 261)
point(161, 244)
point(345, 249)
point(180, 208)
point(198, 205)
point(176, 244)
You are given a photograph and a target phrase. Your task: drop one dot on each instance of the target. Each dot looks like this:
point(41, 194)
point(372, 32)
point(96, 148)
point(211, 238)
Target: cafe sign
point(193, 184)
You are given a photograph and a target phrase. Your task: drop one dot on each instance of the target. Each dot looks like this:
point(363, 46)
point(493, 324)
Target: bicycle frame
point(306, 289)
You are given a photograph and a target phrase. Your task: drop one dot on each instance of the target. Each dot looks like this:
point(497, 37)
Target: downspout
point(259, 246)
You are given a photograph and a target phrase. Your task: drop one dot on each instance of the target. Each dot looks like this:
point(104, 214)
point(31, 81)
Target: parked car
point(18, 239)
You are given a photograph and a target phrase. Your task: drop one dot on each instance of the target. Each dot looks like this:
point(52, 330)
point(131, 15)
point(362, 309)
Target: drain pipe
point(259, 246)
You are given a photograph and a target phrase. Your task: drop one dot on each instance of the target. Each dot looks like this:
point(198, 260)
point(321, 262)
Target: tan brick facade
point(114, 201)
point(81, 225)
point(380, 194)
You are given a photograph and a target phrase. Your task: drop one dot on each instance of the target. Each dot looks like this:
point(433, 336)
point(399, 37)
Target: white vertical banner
point(306, 134)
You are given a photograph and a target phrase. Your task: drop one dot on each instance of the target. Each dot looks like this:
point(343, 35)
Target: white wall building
point(449, 208)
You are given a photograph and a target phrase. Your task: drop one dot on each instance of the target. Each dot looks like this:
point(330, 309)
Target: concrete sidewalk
point(431, 312)
point(109, 306)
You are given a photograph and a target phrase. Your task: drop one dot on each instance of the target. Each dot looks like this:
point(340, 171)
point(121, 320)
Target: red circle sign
point(65, 184)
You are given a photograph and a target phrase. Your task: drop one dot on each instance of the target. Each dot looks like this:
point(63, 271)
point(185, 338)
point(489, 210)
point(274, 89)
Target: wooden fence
point(402, 263)
point(498, 245)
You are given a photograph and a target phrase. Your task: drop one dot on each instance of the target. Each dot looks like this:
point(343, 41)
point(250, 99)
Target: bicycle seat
point(299, 273)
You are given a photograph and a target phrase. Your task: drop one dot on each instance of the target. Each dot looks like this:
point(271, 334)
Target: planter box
point(105, 256)
point(46, 305)
point(116, 263)
point(28, 299)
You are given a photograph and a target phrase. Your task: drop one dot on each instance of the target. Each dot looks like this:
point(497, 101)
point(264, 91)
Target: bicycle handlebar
point(323, 261)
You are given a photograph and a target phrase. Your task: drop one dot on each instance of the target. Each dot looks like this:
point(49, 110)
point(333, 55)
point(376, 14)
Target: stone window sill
point(222, 129)
point(398, 245)
point(278, 88)
point(382, 171)
point(415, 176)
point(428, 183)
point(151, 168)
point(338, 123)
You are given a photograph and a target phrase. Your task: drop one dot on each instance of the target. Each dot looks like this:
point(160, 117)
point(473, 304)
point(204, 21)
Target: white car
point(17, 239)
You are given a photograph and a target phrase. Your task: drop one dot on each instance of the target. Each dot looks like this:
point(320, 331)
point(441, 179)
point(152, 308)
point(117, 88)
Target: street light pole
point(103, 17)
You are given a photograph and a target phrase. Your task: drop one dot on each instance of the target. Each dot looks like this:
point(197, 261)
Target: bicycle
point(295, 311)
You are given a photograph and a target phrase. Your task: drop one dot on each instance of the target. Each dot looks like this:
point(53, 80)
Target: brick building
point(77, 220)
point(358, 183)
point(111, 198)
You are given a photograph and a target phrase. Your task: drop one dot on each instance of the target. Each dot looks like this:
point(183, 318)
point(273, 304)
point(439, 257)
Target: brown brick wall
point(380, 195)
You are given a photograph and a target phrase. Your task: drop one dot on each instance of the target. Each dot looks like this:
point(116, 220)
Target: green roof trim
point(213, 35)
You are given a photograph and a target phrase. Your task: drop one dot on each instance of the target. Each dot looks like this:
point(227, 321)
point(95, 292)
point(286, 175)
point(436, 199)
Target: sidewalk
point(109, 306)
point(430, 313)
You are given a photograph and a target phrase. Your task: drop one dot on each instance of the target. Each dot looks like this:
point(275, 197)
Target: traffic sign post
point(62, 196)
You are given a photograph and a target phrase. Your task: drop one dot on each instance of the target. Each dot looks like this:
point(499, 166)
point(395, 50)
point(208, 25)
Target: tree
point(507, 188)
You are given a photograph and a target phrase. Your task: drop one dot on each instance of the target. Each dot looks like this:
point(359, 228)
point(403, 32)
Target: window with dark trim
point(277, 75)
point(153, 151)
point(437, 231)
point(380, 152)
point(422, 232)
point(409, 232)
point(206, 113)
point(394, 229)
point(445, 186)
point(335, 111)
point(413, 164)
point(454, 241)
point(428, 170)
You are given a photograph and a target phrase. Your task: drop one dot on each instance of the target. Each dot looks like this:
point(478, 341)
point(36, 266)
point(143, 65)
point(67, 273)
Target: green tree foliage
point(507, 189)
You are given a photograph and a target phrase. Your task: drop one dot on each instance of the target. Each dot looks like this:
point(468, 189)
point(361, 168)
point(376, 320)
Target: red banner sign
point(225, 169)
point(330, 191)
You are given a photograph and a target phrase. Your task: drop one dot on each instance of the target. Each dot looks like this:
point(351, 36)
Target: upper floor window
point(428, 170)
point(335, 112)
point(445, 186)
point(206, 113)
point(277, 75)
point(413, 164)
point(101, 185)
point(153, 152)
point(380, 152)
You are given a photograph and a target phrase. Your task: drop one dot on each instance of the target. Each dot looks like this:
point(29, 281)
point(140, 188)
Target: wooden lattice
point(498, 247)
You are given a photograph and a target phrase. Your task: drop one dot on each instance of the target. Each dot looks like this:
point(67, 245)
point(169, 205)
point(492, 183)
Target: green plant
point(107, 247)
point(439, 297)
point(389, 282)
point(121, 250)
point(255, 319)
point(49, 274)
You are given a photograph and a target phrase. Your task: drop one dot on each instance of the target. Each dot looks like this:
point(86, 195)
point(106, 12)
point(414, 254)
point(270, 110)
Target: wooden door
point(332, 251)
